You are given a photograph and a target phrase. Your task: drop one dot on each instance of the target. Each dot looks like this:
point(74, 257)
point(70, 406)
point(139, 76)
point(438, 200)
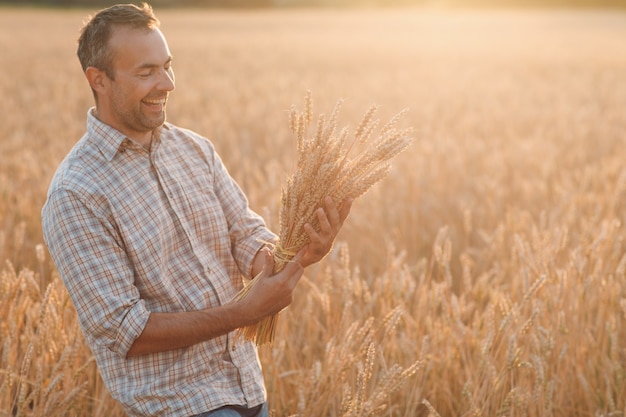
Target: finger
point(298, 257)
point(325, 224)
point(268, 263)
point(312, 233)
point(332, 213)
point(294, 268)
point(344, 209)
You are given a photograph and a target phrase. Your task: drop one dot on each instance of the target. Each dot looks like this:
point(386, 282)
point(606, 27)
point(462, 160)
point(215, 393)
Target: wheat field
point(485, 276)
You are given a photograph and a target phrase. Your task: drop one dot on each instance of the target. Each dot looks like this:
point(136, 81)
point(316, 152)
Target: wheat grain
point(324, 168)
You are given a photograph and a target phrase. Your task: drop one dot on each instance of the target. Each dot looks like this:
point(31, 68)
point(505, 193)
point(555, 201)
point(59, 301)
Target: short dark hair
point(93, 43)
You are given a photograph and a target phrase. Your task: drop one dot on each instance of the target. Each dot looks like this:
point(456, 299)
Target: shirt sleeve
point(248, 232)
point(96, 271)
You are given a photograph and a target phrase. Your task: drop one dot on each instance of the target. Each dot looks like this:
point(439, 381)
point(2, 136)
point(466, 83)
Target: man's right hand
point(272, 293)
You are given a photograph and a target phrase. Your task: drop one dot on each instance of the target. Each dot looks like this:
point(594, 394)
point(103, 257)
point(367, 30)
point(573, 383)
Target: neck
point(142, 138)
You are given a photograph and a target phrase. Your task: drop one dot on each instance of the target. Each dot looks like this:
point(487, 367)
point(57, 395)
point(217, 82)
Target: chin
point(155, 122)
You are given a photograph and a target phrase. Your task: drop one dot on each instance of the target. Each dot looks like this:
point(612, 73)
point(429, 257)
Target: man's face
point(134, 102)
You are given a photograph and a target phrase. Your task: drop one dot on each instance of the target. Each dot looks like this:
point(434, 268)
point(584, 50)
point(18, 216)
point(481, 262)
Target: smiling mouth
point(156, 102)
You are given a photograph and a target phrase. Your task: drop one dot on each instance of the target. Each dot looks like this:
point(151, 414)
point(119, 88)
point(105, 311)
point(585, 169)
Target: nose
point(167, 81)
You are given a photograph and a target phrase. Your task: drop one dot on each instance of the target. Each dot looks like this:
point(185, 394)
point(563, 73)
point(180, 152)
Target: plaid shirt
point(133, 232)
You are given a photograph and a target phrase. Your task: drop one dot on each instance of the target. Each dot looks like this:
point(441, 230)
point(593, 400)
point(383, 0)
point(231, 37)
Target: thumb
point(297, 259)
point(293, 270)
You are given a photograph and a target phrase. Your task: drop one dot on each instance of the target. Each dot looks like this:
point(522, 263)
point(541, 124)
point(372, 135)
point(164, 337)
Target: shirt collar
point(110, 140)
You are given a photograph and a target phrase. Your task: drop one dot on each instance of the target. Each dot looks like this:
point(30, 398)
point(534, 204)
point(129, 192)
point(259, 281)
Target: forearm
point(169, 331)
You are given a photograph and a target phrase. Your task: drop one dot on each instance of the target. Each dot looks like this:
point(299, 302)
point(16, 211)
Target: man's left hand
point(331, 220)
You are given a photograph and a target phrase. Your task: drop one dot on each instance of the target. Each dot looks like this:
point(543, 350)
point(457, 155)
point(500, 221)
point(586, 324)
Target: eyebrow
point(148, 65)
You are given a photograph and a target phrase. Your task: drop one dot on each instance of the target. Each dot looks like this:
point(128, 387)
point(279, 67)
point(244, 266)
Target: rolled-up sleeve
point(93, 265)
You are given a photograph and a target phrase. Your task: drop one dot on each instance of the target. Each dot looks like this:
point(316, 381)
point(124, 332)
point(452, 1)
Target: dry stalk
point(325, 168)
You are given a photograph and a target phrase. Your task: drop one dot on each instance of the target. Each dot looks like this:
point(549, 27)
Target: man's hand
point(273, 292)
point(175, 330)
point(331, 220)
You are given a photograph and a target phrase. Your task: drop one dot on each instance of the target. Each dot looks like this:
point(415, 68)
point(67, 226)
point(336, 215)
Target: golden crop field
point(485, 276)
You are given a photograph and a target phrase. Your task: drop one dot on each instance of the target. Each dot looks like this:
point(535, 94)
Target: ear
point(96, 78)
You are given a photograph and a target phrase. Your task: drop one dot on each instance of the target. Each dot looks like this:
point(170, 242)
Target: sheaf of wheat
point(328, 164)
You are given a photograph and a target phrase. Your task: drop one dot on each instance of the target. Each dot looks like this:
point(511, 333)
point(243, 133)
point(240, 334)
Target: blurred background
point(337, 3)
point(487, 273)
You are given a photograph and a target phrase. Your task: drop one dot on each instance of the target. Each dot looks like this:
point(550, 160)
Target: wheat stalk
point(325, 168)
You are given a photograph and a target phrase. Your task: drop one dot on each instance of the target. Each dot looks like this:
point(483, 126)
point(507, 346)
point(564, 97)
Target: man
point(152, 236)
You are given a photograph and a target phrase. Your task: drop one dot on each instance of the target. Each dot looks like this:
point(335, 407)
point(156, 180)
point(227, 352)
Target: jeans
point(237, 411)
